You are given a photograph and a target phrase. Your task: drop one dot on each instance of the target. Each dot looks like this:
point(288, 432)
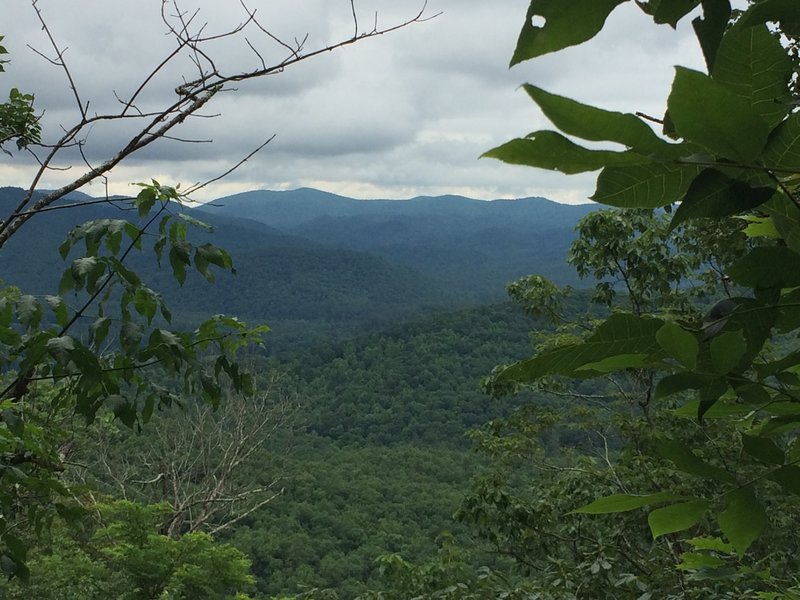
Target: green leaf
point(590, 123)
point(95, 231)
point(755, 319)
point(753, 64)
point(621, 333)
point(709, 114)
point(99, 330)
point(624, 502)
point(179, 259)
point(783, 11)
point(177, 231)
point(14, 422)
point(678, 343)
point(134, 233)
point(767, 267)
point(727, 349)
point(687, 461)
point(59, 309)
point(772, 367)
point(565, 24)
point(782, 152)
point(209, 254)
point(788, 313)
point(145, 200)
point(130, 278)
point(691, 561)
point(680, 382)
point(81, 268)
point(781, 425)
point(17, 552)
point(130, 335)
point(6, 312)
point(714, 194)
point(720, 410)
point(165, 312)
point(743, 519)
point(195, 222)
point(710, 28)
point(763, 450)
point(761, 227)
point(676, 517)
point(9, 337)
point(672, 11)
point(788, 477)
point(114, 240)
point(644, 186)
point(752, 393)
point(551, 150)
point(786, 218)
point(146, 302)
point(29, 311)
point(122, 409)
point(619, 362)
point(158, 248)
point(709, 394)
point(61, 347)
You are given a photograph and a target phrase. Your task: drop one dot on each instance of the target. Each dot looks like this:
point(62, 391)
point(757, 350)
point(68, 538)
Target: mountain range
point(315, 265)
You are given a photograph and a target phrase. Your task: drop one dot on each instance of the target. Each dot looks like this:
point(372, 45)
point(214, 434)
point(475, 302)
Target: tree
point(728, 145)
point(103, 340)
point(119, 553)
point(18, 120)
point(210, 467)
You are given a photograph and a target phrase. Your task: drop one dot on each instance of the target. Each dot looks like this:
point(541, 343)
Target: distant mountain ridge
point(292, 208)
point(315, 265)
point(472, 246)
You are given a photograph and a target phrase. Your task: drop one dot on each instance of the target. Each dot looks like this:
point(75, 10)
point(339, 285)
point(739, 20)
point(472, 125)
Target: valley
point(384, 317)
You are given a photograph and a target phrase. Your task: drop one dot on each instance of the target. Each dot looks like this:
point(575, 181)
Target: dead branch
point(194, 93)
point(211, 467)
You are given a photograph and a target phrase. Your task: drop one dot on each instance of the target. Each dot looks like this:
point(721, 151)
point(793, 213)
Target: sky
point(396, 116)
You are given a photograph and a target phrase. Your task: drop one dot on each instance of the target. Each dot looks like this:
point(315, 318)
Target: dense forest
point(373, 364)
point(376, 368)
point(452, 399)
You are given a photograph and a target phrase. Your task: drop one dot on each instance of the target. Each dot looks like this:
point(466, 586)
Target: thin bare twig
point(200, 186)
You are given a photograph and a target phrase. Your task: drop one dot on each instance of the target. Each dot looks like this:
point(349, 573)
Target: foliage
point(344, 506)
point(18, 120)
point(211, 467)
point(657, 266)
point(121, 554)
point(103, 341)
point(103, 344)
point(729, 147)
point(132, 376)
point(417, 381)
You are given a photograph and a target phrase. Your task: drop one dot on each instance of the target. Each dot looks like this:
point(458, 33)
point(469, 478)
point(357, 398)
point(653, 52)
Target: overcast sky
point(397, 116)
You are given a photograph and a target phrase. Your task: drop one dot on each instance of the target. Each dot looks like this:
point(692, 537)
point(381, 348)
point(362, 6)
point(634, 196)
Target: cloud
point(404, 114)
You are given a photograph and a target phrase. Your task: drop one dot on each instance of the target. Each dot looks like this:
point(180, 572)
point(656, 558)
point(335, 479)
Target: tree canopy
point(103, 342)
point(726, 146)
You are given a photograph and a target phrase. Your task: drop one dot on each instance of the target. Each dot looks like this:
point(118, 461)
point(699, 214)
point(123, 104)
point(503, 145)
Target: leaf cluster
point(103, 343)
point(728, 145)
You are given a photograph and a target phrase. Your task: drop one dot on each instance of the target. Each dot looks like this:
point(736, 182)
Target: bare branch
point(355, 18)
point(200, 186)
point(60, 60)
point(192, 95)
point(194, 461)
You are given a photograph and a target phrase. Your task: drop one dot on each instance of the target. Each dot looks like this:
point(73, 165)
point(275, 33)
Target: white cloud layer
point(404, 114)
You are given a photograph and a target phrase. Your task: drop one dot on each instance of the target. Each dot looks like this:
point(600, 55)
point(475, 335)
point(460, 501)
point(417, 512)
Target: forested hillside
point(380, 336)
point(469, 246)
point(404, 431)
point(316, 266)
